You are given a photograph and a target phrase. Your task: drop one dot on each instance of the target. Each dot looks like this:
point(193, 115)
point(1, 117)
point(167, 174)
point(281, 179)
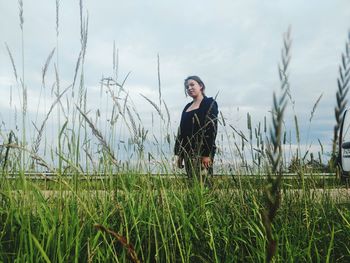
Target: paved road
point(338, 195)
point(51, 176)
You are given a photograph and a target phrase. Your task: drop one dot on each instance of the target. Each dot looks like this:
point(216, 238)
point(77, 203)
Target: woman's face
point(193, 88)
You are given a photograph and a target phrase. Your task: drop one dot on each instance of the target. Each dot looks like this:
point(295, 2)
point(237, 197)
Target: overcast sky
point(233, 45)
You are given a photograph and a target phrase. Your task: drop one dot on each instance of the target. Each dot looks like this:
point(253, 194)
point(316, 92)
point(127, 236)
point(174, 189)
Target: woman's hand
point(206, 161)
point(179, 162)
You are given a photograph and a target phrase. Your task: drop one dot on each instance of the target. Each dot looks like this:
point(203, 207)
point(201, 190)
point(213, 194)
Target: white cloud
point(233, 45)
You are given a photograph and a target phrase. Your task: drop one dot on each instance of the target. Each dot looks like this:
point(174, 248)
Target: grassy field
point(155, 220)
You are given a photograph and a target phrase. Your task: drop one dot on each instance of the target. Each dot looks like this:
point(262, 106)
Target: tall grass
point(274, 151)
point(161, 220)
point(341, 101)
point(98, 206)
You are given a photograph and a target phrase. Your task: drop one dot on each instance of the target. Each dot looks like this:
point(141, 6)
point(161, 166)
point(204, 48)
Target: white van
point(344, 147)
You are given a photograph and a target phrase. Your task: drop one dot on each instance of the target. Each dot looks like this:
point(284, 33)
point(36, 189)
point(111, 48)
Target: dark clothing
point(197, 131)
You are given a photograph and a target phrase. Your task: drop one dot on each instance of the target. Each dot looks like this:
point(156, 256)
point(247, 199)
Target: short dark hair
point(198, 80)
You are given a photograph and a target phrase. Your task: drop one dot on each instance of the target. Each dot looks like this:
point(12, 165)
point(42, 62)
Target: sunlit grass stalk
point(76, 120)
point(99, 136)
point(343, 83)
point(274, 152)
point(23, 86)
point(36, 143)
point(57, 75)
point(160, 107)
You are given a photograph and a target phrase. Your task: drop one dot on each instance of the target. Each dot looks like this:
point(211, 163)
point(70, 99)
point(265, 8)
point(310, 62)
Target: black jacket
point(198, 129)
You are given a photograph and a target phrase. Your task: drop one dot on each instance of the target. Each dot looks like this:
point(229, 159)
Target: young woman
point(195, 142)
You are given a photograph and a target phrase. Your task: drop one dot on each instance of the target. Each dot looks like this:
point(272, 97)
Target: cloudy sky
point(233, 45)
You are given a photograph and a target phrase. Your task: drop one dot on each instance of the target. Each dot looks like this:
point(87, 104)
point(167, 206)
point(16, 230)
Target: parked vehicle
point(344, 147)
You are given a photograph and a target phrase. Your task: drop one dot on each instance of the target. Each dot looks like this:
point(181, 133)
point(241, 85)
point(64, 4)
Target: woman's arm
point(177, 150)
point(178, 140)
point(210, 129)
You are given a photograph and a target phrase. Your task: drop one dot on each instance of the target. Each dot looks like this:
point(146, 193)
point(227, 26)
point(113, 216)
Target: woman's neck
point(199, 98)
